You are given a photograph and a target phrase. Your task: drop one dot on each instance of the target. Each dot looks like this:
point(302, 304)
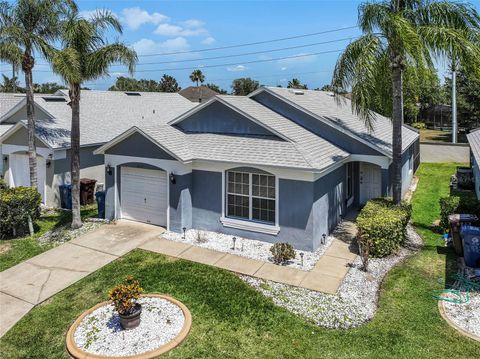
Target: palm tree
point(399, 34)
point(296, 84)
point(197, 76)
point(85, 56)
point(27, 27)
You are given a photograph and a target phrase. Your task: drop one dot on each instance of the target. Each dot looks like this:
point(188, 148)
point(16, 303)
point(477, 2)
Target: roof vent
point(54, 99)
point(133, 94)
point(297, 92)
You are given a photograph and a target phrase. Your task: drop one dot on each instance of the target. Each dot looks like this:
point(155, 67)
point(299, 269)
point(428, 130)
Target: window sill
point(250, 226)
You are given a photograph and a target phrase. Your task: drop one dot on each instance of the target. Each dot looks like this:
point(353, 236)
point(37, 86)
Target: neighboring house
point(7, 102)
point(278, 165)
point(198, 94)
point(474, 141)
point(103, 115)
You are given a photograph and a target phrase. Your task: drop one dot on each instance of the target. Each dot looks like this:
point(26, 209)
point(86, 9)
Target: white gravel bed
point(467, 315)
point(65, 233)
point(244, 247)
point(100, 332)
point(355, 301)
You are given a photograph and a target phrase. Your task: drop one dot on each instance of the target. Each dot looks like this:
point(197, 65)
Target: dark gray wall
point(328, 132)
point(218, 118)
point(87, 159)
point(138, 146)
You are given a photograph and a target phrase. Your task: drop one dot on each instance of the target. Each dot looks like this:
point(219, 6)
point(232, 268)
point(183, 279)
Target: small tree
point(197, 76)
point(296, 84)
point(364, 246)
point(168, 84)
point(243, 86)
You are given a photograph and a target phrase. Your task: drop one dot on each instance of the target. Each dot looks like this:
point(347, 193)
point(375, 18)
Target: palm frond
point(10, 53)
point(98, 62)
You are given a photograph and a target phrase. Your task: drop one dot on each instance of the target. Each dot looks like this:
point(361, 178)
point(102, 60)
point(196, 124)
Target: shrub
point(419, 125)
point(459, 202)
point(16, 206)
point(382, 225)
point(3, 184)
point(282, 252)
point(124, 295)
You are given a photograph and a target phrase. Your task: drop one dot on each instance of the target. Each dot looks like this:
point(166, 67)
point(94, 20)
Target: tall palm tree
point(197, 76)
point(296, 84)
point(397, 34)
point(26, 28)
point(86, 56)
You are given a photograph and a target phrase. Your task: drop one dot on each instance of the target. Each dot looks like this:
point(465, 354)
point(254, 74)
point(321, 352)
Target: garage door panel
point(144, 195)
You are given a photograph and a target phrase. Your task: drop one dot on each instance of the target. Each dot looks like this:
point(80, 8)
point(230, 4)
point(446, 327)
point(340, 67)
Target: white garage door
point(143, 195)
point(20, 172)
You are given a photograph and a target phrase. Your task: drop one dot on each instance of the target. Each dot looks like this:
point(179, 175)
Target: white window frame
point(249, 224)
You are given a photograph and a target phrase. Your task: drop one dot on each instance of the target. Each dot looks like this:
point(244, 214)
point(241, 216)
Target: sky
point(156, 29)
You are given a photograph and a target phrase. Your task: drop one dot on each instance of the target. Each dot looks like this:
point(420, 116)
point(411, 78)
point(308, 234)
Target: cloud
point(192, 23)
point(283, 68)
point(302, 58)
point(135, 17)
point(148, 47)
point(208, 40)
point(177, 30)
point(238, 68)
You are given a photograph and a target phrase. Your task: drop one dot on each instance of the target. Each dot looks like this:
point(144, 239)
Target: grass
point(428, 135)
point(231, 320)
point(20, 249)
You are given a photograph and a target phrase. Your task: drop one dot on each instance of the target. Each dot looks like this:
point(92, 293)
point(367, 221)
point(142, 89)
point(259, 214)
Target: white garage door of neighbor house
point(143, 195)
point(20, 172)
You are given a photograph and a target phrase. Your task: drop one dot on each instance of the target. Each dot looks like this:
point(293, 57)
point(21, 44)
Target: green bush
point(382, 225)
point(16, 205)
point(419, 125)
point(3, 184)
point(282, 252)
point(459, 202)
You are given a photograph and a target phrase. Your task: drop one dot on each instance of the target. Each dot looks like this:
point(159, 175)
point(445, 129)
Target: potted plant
point(124, 298)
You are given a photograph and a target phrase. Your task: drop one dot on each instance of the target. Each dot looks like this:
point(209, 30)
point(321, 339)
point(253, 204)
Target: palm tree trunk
point(27, 66)
point(397, 120)
point(75, 155)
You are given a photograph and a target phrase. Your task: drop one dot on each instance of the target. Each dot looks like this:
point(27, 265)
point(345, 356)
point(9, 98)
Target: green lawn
point(18, 250)
point(231, 320)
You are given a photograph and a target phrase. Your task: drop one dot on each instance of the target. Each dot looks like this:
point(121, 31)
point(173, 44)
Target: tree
point(85, 56)
point(48, 87)
point(243, 86)
point(27, 27)
point(10, 85)
point(296, 84)
point(399, 34)
point(217, 89)
point(168, 84)
point(197, 76)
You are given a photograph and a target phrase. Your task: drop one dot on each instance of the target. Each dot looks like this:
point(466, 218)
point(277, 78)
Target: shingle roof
point(325, 106)
point(194, 94)
point(8, 101)
point(474, 141)
point(106, 114)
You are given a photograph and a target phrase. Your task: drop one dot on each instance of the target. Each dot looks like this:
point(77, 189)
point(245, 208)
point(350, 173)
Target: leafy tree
point(243, 86)
point(85, 56)
point(296, 84)
point(399, 34)
point(11, 85)
point(468, 97)
point(26, 27)
point(197, 76)
point(217, 89)
point(48, 87)
point(168, 84)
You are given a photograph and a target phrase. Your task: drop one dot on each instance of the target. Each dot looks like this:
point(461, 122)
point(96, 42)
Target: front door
point(370, 182)
point(20, 172)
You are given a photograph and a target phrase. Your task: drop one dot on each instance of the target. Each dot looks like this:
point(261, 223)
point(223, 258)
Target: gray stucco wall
point(139, 146)
point(328, 132)
point(20, 138)
point(218, 118)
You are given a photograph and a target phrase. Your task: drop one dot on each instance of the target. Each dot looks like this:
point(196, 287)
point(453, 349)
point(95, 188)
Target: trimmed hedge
point(16, 205)
point(459, 202)
point(382, 225)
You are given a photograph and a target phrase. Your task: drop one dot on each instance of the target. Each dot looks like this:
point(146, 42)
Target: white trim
point(167, 165)
point(250, 226)
point(8, 149)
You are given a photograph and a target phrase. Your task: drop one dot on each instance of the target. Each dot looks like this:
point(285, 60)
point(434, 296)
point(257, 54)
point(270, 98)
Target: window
point(349, 180)
point(251, 196)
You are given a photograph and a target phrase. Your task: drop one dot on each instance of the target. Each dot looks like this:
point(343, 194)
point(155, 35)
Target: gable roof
point(338, 113)
point(9, 101)
point(474, 141)
point(105, 114)
point(194, 94)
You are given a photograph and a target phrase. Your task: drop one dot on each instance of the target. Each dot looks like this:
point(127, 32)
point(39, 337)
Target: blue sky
point(155, 27)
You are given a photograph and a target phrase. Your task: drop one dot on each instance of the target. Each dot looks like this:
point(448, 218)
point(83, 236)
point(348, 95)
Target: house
point(104, 115)
point(474, 142)
point(198, 93)
point(279, 165)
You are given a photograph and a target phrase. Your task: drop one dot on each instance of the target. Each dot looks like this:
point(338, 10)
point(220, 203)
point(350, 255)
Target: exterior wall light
point(49, 160)
point(109, 170)
point(5, 158)
point(173, 180)
point(323, 238)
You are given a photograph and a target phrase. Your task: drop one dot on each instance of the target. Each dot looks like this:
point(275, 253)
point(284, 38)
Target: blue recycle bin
point(471, 245)
point(100, 197)
point(66, 196)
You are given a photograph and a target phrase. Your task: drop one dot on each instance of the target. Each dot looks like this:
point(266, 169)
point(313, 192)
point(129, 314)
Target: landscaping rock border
point(456, 324)
point(78, 353)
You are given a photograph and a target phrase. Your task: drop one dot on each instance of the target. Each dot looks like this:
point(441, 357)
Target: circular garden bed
point(97, 333)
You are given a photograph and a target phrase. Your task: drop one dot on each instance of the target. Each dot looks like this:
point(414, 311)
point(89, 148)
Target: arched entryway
point(19, 172)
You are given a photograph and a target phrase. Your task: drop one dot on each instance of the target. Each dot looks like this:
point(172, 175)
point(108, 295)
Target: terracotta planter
point(131, 321)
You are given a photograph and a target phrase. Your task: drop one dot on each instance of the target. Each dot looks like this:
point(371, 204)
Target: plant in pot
point(124, 298)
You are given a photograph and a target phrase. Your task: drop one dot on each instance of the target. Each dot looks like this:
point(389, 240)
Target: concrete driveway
point(37, 279)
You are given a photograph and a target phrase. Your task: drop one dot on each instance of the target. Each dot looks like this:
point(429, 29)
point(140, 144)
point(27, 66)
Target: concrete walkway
point(39, 278)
